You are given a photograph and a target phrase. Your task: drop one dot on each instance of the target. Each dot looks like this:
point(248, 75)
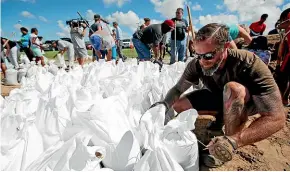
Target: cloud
point(129, 19)
point(222, 18)
point(31, 1)
point(286, 6)
point(27, 14)
point(219, 7)
point(119, 3)
point(196, 7)
point(43, 19)
point(17, 26)
point(245, 11)
point(65, 29)
point(167, 8)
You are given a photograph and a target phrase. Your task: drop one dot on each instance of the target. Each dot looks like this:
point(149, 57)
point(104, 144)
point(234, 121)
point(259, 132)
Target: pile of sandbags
point(96, 118)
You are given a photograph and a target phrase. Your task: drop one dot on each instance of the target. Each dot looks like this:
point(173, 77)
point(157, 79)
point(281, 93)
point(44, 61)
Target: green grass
point(131, 53)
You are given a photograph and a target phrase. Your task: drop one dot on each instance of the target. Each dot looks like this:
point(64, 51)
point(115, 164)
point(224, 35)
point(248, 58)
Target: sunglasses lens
point(208, 56)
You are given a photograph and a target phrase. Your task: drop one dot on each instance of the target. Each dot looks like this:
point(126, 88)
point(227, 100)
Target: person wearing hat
point(151, 36)
point(181, 29)
point(95, 27)
point(119, 41)
point(25, 37)
point(102, 40)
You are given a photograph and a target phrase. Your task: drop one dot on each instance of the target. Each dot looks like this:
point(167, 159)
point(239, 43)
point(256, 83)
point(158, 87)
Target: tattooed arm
point(272, 120)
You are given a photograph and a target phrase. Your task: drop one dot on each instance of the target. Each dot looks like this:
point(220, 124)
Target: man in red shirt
point(258, 28)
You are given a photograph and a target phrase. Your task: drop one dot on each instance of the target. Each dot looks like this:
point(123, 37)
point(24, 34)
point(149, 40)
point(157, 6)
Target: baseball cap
point(169, 23)
point(97, 16)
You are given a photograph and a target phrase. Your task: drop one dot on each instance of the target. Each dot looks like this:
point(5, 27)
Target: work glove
point(222, 148)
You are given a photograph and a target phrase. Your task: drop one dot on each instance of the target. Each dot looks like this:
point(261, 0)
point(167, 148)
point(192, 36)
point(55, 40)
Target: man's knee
point(181, 105)
point(234, 90)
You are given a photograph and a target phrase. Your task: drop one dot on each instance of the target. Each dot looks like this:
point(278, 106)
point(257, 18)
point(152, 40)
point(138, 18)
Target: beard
point(211, 70)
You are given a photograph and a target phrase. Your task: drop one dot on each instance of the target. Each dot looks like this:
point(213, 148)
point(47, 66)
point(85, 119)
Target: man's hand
point(7, 53)
point(222, 148)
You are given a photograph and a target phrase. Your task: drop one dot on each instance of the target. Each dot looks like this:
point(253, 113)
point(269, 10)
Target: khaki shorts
point(81, 53)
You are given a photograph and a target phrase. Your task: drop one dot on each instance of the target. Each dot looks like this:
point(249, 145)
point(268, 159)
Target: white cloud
point(27, 14)
point(251, 11)
point(219, 7)
point(167, 7)
point(222, 18)
point(90, 15)
point(17, 26)
point(286, 6)
point(42, 19)
point(129, 19)
point(196, 7)
point(31, 1)
point(120, 3)
point(65, 29)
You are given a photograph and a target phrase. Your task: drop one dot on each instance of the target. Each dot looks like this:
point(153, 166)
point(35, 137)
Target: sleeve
point(190, 73)
point(258, 78)
point(61, 45)
point(157, 38)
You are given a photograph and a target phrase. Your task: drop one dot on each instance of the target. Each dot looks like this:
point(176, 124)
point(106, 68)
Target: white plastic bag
point(61, 61)
point(123, 156)
point(157, 159)
point(11, 77)
point(24, 59)
point(21, 73)
point(74, 154)
point(180, 142)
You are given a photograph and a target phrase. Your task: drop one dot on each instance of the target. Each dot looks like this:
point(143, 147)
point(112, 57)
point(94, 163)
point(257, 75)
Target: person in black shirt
point(151, 36)
point(11, 52)
point(181, 29)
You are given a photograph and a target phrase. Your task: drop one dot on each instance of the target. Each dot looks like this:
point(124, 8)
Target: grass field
point(131, 53)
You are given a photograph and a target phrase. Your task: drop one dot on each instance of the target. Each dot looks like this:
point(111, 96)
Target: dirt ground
point(271, 154)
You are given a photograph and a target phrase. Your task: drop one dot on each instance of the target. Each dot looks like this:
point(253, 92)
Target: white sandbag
point(73, 154)
point(180, 142)
point(32, 70)
point(21, 73)
point(21, 143)
point(123, 156)
point(61, 61)
point(24, 59)
point(157, 160)
point(11, 77)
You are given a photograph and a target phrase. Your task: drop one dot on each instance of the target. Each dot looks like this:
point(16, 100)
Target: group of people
point(31, 44)
point(237, 85)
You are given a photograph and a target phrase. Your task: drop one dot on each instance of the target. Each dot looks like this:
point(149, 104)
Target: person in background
point(238, 84)
point(11, 51)
point(285, 65)
point(102, 40)
point(35, 46)
point(151, 36)
point(41, 43)
point(25, 38)
point(146, 23)
point(181, 29)
point(236, 31)
point(162, 47)
point(258, 28)
point(119, 42)
point(65, 46)
point(77, 37)
point(114, 48)
point(274, 31)
point(3, 66)
point(95, 27)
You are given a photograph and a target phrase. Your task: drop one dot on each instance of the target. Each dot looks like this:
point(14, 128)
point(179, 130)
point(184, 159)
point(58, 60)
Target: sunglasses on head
point(207, 56)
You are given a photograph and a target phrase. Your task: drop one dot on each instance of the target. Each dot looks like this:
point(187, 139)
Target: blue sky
point(49, 16)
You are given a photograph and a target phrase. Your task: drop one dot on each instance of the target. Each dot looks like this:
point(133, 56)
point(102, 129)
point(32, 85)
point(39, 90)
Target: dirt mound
point(271, 154)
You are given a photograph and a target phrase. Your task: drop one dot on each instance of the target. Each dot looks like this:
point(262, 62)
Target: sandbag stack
point(98, 113)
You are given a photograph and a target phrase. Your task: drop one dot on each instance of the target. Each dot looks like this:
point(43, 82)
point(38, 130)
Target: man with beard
point(238, 84)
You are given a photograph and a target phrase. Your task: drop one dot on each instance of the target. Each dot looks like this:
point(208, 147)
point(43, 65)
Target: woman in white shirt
point(35, 46)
